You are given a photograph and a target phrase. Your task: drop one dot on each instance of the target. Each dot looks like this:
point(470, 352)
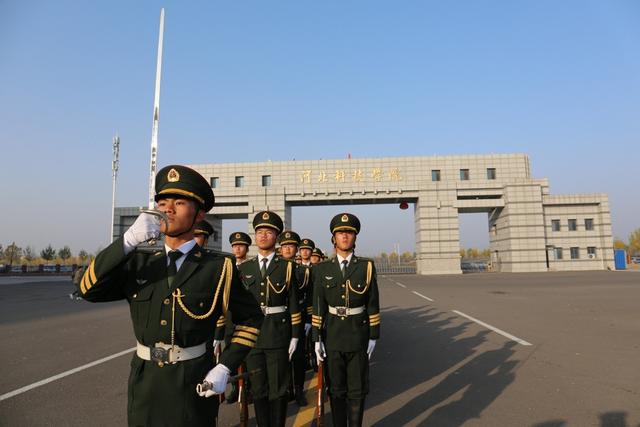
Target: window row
point(574, 252)
point(239, 181)
point(465, 175)
point(572, 224)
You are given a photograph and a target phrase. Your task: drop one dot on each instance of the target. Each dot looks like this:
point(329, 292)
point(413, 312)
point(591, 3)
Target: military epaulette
point(362, 258)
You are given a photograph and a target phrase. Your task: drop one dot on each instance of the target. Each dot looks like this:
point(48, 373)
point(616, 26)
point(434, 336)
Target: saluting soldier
point(289, 242)
point(202, 232)
point(240, 243)
point(346, 321)
point(272, 281)
point(176, 295)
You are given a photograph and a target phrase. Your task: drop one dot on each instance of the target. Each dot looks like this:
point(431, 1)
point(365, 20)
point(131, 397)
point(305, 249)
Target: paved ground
point(435, 365)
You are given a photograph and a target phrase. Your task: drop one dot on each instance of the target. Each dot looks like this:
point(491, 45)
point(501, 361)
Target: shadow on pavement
point(607, 419)
point(422, 344)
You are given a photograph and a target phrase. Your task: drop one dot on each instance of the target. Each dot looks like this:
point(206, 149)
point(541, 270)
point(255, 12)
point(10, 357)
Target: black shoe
point(301, 399)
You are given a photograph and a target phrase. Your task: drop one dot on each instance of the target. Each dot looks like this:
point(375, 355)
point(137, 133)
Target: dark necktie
point(172, 269)
point(344, 267)
point(263, 269)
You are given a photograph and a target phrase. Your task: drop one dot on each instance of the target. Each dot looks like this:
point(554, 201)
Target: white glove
point(320, 353)
point(292, 346)
point(372, 345)
point(218, 378)
point(307, 328)
point(217, 347)
point(146, 227)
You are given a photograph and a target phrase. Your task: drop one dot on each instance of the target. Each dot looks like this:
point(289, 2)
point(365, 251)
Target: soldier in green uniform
point(240, 243)
point(346, 321)
point(289, 242)
point(306, 249)
point(202, 232)
point(272, 281)
point(175, 296)
point(317, 256)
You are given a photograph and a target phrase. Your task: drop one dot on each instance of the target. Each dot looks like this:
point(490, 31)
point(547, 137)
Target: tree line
point(632, 245)
point(13, 254)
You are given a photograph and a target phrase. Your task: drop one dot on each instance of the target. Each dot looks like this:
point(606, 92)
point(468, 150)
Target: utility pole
point(156, 117)
point(114, 176)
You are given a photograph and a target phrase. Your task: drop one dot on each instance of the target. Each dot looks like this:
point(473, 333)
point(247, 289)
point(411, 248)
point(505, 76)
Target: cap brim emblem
point(237, 235)
point(345, 218)
point(173, 176)
point(288, 235)
point(265, 216)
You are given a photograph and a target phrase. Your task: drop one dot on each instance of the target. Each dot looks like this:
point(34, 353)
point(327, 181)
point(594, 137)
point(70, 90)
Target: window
point(573, 225)
point(575, 253)
point(558, 252)
point(555, 225)
point(588, 224)
point(266, 180)
point(435, 175)
point(491, 173)
point(215, 182)
point(591, 251)
point(239, 181)
point(464, 174)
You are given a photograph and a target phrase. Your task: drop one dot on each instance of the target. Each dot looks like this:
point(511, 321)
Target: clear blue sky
point(257, 80)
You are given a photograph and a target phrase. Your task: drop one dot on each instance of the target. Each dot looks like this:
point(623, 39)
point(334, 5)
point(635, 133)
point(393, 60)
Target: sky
point(259, 80)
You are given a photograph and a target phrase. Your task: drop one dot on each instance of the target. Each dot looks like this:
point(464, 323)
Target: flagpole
point(156, 117)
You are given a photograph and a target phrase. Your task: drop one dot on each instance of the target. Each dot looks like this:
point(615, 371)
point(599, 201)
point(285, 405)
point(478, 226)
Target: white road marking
point(400, 284)
point(422, 296)
point(63, 374)
point(493, 328)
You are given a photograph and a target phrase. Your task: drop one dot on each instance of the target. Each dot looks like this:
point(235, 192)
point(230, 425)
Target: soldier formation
point(278, 314)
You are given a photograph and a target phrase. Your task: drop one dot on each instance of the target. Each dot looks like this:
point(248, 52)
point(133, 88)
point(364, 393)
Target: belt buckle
point(341, 311)
point(160, 355)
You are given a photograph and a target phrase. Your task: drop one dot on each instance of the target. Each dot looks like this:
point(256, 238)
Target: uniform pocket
point(139, 305)
point(197, 304)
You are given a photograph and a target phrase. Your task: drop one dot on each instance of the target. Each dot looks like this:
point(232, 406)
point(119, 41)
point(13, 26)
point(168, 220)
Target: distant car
point(16, 269)
point(49, 268)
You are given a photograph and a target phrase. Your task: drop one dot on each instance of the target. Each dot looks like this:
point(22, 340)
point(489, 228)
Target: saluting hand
point(145, 228)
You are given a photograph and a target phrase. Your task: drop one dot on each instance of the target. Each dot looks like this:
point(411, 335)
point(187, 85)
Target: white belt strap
point(164, 353)
point(346, 311)
point(273, 310)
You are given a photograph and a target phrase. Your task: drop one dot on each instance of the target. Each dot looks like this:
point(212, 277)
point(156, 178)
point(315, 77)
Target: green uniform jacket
point(305, 291)
point(165, 395)
point(280, 287)
point(358, 288)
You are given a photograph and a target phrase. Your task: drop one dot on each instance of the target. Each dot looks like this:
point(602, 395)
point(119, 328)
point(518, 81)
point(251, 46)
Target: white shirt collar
point(268, 257)
point(348, 258)
point(185, 248)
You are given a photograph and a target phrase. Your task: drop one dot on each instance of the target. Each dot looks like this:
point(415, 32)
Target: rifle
point(320, 396)
point(242, 398)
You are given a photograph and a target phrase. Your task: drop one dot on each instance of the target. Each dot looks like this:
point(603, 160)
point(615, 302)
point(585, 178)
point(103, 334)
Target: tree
point(619, 244)
point(12, 253)
point(634, 242)
point(64, 253)
point(29, 254)
point(48, 253)
point(83, 255)
point(1, 253)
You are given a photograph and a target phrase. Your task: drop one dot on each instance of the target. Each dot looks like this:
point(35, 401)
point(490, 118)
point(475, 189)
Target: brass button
point(167, 301)
point(343, 285)
point(201, 304)
point(261, 303)
point(163, 322)
point(342, 296)
point(135, 295)
point(160, 364)
point(261, 293)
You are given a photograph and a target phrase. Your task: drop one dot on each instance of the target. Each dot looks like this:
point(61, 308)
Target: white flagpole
point(114, 176)
point(156, 117)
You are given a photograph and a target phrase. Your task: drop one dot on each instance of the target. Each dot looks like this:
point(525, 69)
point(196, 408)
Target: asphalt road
point(543, 350)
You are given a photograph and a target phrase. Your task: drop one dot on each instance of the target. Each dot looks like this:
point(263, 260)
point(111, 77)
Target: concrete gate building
point(529, 229)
